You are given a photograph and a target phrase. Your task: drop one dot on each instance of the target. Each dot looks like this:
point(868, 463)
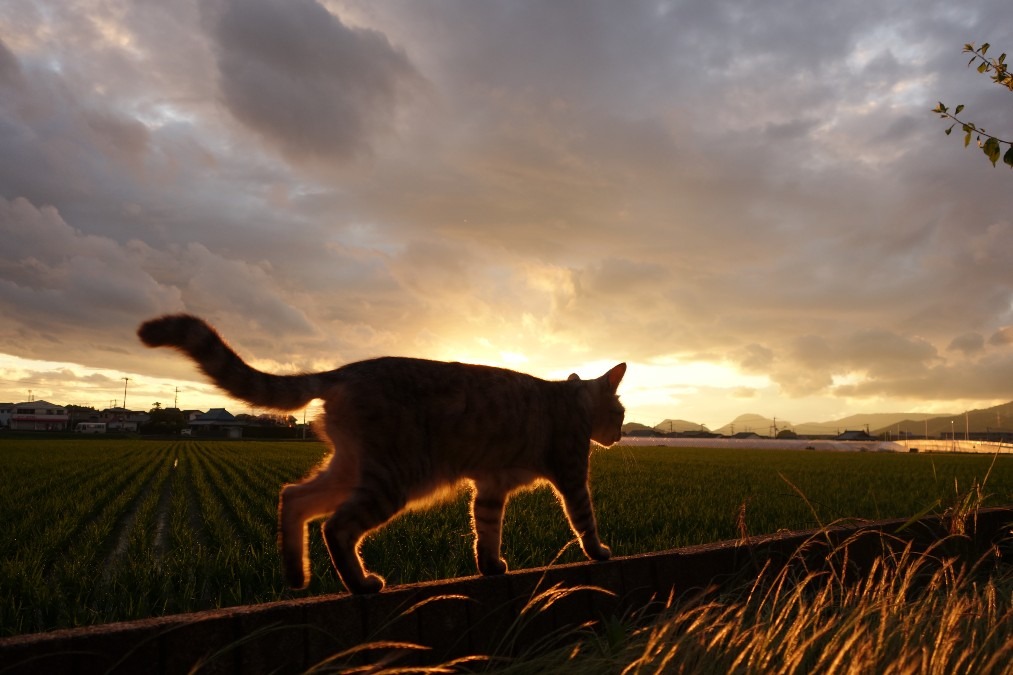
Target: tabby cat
point(403, 430)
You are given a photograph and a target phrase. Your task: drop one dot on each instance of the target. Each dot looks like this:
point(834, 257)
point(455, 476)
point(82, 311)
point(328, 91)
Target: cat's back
point(401, 377)
point(449, 398)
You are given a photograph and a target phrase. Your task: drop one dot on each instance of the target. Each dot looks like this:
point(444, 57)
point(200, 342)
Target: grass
point(121, 529)
point(912, 613)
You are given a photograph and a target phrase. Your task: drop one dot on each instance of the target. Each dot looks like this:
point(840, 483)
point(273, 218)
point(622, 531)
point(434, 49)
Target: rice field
point(108, 529)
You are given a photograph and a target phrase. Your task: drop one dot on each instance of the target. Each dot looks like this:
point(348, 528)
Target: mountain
point(876, 423)
point(634, 426)
point(666, 427)
point(998, 417)
point(870, 422)
point(669, 426)
point(749, 422)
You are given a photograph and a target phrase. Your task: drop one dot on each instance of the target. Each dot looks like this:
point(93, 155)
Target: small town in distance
point(993, 425)
point(43, 416)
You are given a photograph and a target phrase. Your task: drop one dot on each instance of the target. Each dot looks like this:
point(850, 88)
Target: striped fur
point(405, 430)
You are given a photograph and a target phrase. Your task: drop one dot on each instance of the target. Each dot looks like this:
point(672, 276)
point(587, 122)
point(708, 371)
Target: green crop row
point(124, 529)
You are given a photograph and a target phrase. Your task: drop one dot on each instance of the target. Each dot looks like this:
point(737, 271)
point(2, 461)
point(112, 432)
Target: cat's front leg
point(580, 513)
point(487, 504)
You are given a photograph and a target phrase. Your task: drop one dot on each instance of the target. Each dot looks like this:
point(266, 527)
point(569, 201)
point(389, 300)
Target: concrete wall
point(459, 617)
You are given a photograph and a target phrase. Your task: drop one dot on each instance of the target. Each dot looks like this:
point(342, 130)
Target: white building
point(38, 416)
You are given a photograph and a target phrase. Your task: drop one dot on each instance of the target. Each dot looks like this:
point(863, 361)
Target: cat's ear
point(615, 376)
point(573, 376)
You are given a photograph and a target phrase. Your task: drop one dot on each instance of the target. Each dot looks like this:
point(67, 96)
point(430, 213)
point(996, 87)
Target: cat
point(403, 430)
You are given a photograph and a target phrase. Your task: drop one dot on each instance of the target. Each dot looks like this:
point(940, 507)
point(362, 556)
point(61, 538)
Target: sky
point(748, 202)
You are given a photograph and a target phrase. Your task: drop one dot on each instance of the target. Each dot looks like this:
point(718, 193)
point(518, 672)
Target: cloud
point(755, 358)
point(58, 284)
point(53, 276)
point(968, 343)
point(10, 68)
point(307, 83)
point(757, 186)
point(1002, 337)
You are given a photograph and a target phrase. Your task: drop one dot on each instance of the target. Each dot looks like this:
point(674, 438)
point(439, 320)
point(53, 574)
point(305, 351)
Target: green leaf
point(1008, 157)
point(984, 48)
point(991, 150)
point(950, 129)
point(983, 67)
point(967, 139)
point(959, 108)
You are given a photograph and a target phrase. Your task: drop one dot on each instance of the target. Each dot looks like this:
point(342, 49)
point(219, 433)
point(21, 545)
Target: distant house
point(746, 435)
point(699, 433)
point(6, 410)
point(217, 422)
point(38, 416)
point(860, 435)
point(121, 419)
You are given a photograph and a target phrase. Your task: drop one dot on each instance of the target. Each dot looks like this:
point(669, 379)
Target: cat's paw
point(371, 583)
point(492, 566)
point(601, 552)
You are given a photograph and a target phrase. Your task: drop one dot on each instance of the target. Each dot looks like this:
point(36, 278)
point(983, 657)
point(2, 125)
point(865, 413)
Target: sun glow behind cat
point(706, 393)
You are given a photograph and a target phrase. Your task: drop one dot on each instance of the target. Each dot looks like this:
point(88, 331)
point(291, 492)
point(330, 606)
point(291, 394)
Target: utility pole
point(967, 428)
point(125, 380)
point(175, 399)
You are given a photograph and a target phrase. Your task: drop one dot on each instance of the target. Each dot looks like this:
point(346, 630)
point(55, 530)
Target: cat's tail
point(203, 344)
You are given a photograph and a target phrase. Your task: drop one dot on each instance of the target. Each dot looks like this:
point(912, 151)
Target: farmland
point(105, 529)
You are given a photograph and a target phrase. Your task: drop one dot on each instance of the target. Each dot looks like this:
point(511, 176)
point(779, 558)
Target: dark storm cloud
point(753, 184)
point(306, 82)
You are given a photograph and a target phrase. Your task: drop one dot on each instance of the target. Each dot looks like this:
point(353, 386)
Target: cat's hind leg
point(367, 508)
point(487, 504)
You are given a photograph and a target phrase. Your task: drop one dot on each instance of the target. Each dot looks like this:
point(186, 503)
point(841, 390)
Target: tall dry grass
point(910, 613)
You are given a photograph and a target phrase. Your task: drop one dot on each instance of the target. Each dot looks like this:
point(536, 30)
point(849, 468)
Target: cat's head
point(607, 412)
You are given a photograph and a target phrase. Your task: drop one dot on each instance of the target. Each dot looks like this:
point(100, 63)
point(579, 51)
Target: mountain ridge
point(900, 424)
